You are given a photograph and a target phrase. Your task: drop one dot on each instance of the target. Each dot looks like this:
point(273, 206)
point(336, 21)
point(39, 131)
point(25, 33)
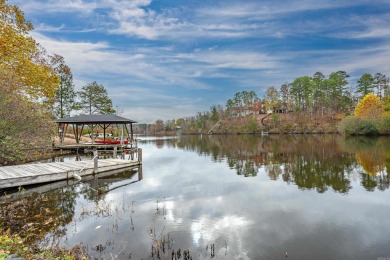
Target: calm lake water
point(231, 197)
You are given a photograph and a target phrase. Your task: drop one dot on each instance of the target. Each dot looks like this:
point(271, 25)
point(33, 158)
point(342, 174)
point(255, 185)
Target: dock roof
point(95, 119)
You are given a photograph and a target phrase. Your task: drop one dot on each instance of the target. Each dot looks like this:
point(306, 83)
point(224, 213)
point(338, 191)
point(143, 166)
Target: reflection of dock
point(27, 174)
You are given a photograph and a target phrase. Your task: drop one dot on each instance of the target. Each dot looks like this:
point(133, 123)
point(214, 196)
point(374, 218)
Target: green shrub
point(351, 125)
point(252, 124)
point(275, 120)
point(384, 126)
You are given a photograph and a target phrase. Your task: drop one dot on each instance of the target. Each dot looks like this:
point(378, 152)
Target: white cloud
point(150, 113)
point(375, 33)
point(270, 9)
point(270, 19)
point(369, 26)
point(156, 66)
point(58, 6)
point(201, 49)
point(237, 60)
point(48, 28)
point(219, 20)
point(131, 28)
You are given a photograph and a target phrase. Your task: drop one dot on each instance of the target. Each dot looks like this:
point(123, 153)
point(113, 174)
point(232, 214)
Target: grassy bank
point(13, 244)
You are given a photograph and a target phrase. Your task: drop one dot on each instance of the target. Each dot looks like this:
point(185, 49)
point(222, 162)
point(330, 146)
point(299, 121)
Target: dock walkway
point(35, 173)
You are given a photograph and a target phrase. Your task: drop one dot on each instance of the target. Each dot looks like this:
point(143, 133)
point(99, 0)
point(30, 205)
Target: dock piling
point(139, 154)
point(95, 161)
point(114, 152)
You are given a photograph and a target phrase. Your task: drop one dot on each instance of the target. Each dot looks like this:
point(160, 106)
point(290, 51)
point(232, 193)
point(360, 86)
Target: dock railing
point(95, 168)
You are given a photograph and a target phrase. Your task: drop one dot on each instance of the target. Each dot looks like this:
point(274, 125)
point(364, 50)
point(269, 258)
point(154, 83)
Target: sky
point(166, 59)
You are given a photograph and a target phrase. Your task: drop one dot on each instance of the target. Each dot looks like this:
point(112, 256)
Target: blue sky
point(165, 59)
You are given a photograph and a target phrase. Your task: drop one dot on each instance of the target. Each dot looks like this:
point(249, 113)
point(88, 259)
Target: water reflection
point(193, 198)
point(49, 208)
point(316, 162)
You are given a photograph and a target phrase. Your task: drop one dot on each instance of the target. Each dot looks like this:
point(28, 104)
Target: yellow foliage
point(23, 64)
point(370, 107)
point(371, 162)
point(386, 103)
point(386, 115)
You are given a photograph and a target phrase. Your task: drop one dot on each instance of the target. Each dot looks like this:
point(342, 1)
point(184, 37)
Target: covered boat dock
point(104, 121)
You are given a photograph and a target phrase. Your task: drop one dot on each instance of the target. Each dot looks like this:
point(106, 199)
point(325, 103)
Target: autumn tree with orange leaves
point(370, 107)
point(371, 117)
point(26, 78)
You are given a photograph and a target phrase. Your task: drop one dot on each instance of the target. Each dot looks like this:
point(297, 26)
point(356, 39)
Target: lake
point(226, 197)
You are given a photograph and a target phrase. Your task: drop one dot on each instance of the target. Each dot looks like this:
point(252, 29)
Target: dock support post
point(114, 152)
point(139, 155)
point(95, 161)
point(132, 154)
point(140, 175)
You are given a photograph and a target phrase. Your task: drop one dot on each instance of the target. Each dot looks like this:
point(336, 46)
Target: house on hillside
point(237, 112)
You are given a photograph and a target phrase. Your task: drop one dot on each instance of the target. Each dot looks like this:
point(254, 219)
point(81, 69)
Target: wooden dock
point(95, 180)
point(35, 173)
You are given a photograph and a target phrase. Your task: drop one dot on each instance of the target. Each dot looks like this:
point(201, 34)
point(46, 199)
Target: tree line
point(316, 95)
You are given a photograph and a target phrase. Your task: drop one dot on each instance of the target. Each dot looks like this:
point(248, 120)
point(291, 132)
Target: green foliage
point(351, 125)
point(94, 99)
point(13, 244)
point(272, 97)
point(284, 95)
point(65, 95)
point(275, 119)
point(23, 125)
point(315, 96)
point(214, 114)
point(386, 104)
point(10, 244)
point(9, 152)
point(252, 124)
point(242, 100)
point(381, 83)
point(365, 84)
point(340, 97)
point(302, 90)
point(383, 126)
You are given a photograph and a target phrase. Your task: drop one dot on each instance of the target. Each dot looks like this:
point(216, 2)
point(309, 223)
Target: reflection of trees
point(371, 162)
point(47, 212)
point(243, 167)
point(315, 162)
point(313, 173)
point(373, 155)
point(39, 214)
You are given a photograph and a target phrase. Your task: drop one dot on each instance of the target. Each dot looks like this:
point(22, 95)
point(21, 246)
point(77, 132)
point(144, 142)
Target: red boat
point(112, 141)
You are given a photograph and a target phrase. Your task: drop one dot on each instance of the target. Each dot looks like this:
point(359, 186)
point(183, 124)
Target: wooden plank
point(4, 174)
point(66, 166)
point(49, 167)
point(21, 172)
point(31, 170)
point(10, 170)
point(60, 167)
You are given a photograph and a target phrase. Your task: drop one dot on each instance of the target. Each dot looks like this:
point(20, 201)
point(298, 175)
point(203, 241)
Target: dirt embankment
point(300, 123)
point(287, 123)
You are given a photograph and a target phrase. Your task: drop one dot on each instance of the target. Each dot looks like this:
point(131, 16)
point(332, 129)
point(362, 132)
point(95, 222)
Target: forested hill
point(309, 104)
